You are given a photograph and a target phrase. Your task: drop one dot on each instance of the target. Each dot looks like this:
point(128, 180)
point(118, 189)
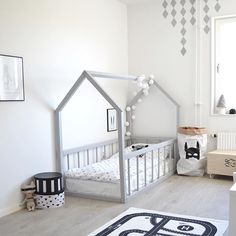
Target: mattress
point(107, 171)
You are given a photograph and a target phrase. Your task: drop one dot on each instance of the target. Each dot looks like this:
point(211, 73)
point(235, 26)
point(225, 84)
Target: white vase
point(221, 110)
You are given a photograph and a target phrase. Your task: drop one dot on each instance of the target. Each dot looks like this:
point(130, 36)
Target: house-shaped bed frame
point(90, 76)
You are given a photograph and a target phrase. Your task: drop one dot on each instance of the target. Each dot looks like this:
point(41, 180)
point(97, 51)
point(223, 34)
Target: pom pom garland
point(144, 84)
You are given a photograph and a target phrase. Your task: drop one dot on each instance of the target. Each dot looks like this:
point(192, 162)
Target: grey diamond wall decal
point(183, 31)
point(183, 21)
point(183, 11)
point(217, 7)
point(183, 51)
point(182, 2)
point(174, 22)
point(183, 41)
point(192, 10)
point(206, 29)
point(173, 3)
point(206, 19)
point(165, 4)
point(173, 12)
point(165, 14)
point(193, 20)
point(206, 8)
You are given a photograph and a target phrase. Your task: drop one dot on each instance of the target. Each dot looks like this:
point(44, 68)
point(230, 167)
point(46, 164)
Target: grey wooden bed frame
point(64, 156)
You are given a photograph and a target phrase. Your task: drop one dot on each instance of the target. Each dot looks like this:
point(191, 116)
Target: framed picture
point(111, 120)
point(11, 78)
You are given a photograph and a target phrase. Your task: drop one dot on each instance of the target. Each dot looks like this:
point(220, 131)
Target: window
point(224, 65)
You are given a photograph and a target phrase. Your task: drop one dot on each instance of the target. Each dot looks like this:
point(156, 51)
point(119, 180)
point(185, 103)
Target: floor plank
point(194, 196)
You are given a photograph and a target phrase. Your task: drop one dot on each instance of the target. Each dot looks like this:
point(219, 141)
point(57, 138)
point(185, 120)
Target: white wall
point(84, 119)
point(155, 115)
point(58, 40)
point(154, 47)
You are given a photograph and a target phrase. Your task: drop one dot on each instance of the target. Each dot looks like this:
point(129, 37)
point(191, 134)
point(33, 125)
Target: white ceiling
point(129, 2)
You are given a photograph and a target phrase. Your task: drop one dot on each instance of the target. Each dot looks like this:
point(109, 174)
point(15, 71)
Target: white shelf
point(223, 115)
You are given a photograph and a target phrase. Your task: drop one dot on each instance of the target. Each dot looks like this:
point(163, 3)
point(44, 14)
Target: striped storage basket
point(49, 190)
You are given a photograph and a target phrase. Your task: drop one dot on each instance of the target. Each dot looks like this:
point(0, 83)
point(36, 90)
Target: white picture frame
point(11, 78)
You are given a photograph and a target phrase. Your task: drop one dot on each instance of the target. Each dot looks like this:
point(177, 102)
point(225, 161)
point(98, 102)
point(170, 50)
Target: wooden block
point(221, 162)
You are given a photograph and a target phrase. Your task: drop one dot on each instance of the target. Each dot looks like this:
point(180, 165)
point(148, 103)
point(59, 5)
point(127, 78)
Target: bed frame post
point(58, 123)
point(59, 148)
point(121, 156)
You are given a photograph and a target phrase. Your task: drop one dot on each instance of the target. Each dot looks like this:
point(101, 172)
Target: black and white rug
point(137, 222)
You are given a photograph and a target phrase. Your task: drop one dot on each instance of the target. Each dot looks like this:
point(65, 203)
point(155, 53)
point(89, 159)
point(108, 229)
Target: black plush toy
point(138, 147)
point(192, 152)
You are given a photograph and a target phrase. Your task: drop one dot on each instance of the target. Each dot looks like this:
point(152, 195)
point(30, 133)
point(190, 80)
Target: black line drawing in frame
point(111, 120)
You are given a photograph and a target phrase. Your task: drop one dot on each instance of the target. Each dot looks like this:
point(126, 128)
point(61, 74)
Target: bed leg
point(212, 176)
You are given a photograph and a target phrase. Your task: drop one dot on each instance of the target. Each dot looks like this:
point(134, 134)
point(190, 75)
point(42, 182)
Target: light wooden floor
point(194, 196)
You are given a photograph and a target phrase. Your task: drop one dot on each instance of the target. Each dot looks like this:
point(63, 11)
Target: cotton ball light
point(126, 123)
point(133, 107)
point(140, 84)
point(141, 78)
point(128, 133)
point(135, 93)
point(128, 109)
point(145, 92)
point(145, 86)
point(151, 77)
point(139, 100)
point(133, 117)
point(151, 81)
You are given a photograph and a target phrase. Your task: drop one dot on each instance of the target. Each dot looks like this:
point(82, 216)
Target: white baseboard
point(9, 210)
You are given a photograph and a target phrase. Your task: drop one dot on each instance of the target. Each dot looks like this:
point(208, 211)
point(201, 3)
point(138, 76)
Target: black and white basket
point(49, 190)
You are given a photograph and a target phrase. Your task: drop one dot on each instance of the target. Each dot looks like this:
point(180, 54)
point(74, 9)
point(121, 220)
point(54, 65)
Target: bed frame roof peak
point(90, 76)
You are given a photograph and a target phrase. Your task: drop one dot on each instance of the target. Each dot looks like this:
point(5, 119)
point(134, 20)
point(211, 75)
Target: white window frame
point(214, 64)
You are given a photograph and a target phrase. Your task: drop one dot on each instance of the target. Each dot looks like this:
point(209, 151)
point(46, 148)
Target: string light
point(128, 109)
point(151, 81)
point(144, 84)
